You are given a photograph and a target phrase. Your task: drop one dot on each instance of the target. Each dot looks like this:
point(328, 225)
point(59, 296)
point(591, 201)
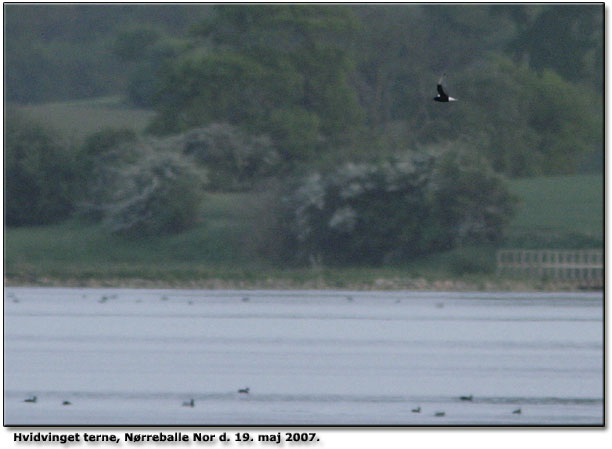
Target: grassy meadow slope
point(80, 118)
point(558, 211)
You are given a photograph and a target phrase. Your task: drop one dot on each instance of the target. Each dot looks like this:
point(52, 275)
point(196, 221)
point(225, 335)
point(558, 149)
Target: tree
point(469, 201)
point(524, 122)
point(144, 50)
point(98, 159)
point(397, 210)
point(160, 193)
point(281, 70)
point(64, 51)
point(233, 159)
point(565, 38)
point(40, 173)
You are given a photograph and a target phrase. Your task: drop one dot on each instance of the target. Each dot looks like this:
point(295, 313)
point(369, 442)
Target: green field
point(226, 249)
point(562, 211)
point(75, 249)
point(78, 119)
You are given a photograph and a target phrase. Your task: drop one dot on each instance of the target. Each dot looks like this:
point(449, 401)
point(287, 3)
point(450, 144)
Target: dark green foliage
point(404, 49)
point(226, 87)
point(278, 69)
point(524, 122)
point(469, 201)
point(397, 210)
point(565, 38)
point(135, 43)
point(321, 79)
point(328, 83)
point(102, 142)
point(39, 173)
point(233, 159)
point(49, 71)
point(65, 51)
point(141, 86)
point(145, 50)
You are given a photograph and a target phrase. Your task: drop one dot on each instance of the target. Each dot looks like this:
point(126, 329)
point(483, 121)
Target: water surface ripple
point(133, 357)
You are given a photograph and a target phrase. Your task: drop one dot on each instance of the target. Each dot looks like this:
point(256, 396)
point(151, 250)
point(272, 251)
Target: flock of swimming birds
point(246, 390)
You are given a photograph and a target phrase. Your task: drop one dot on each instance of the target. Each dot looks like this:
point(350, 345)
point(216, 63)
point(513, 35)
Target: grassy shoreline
point(227, 250)
point(312, 281)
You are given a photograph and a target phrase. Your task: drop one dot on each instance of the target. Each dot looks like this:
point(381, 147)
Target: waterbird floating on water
point(440, 414)
point(443, 96)
point(244, 390)
point(190, 403)
point(466, 398)
point(517, 411)
point(32, 399)
point(416, 410)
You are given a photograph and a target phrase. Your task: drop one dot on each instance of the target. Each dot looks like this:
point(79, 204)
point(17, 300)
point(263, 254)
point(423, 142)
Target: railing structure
point(583, 267)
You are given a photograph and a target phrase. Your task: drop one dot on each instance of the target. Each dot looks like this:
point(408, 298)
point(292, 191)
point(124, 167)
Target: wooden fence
point(584, 267)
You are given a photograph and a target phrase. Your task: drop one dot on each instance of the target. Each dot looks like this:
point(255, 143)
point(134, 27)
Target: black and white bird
point(443, 96)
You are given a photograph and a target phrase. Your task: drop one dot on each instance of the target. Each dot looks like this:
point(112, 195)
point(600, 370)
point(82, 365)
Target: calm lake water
point(133, 357)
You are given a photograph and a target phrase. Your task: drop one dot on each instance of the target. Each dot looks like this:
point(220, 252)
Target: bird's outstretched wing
point(440, 89)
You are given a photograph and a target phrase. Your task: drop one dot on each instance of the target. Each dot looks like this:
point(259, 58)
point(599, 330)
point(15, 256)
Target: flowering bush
point(375, 213)
point(158, 192)
point(234, 159)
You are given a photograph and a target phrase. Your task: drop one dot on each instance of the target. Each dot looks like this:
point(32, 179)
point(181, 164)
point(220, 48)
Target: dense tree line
point(333, 102)
point(40, 171)
point(60, 52)
point(331, 82)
